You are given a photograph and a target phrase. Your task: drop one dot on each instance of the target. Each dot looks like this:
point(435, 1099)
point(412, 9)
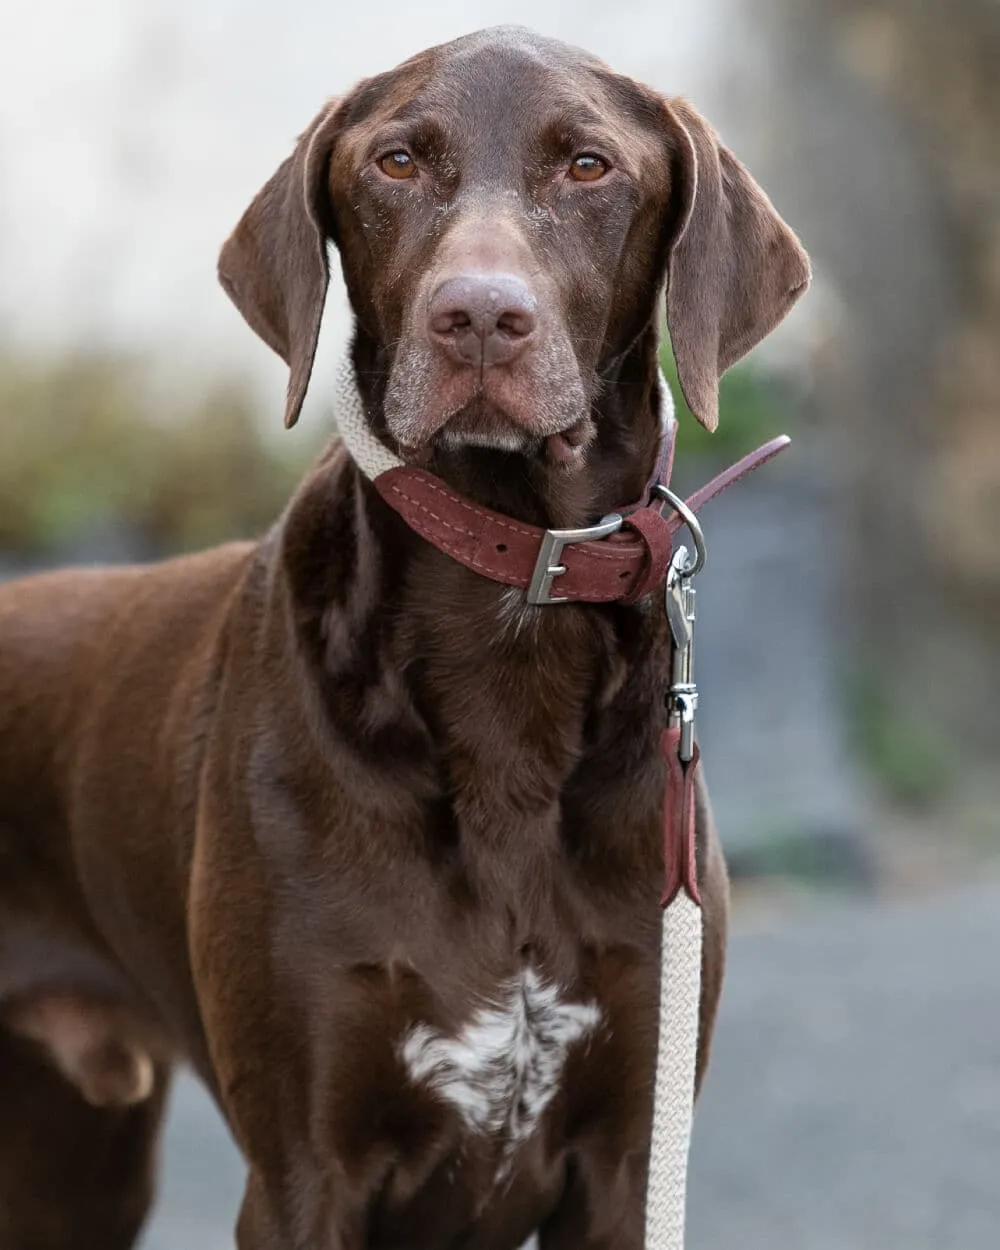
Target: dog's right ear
point(735, 268)
point(274, 265)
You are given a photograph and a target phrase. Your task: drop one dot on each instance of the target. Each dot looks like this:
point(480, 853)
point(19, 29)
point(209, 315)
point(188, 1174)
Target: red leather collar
point(614, 561)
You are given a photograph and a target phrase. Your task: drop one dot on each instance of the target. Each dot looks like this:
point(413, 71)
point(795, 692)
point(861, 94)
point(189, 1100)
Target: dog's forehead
point(500, 83)
point(512, 48)
point(502, 50)
point(499, 91)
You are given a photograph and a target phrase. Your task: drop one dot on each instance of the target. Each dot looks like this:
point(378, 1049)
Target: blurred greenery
point(86, 453)
point(909, 759)
point(828, 859)
point(755, 404)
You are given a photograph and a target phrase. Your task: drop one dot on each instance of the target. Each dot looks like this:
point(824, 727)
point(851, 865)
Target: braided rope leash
point(673, 1096)
point(681, 938)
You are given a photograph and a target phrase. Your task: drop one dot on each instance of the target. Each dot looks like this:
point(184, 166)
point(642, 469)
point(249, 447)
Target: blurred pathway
point(854, 1098)
point(853, 1102)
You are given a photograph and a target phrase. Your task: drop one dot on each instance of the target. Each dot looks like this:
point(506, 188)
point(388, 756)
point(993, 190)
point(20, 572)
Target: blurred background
point(849, 620)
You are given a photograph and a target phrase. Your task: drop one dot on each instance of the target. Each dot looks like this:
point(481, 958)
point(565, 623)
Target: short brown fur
point(266, 807)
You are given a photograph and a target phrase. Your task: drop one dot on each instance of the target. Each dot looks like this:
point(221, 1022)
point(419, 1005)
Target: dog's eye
point(398, 165)
point(588, 168)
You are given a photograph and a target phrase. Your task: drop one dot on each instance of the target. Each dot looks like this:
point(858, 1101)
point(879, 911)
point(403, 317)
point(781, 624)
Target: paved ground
point(854, 1099)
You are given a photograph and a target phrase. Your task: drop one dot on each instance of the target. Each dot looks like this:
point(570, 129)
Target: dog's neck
point(452, 682)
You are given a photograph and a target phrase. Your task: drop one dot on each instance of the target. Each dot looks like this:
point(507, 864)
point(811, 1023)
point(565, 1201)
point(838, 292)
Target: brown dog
point(370, 843)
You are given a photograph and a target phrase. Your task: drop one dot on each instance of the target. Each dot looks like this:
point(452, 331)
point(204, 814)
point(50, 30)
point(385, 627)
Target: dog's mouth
point(481, 424)
point(536, 407)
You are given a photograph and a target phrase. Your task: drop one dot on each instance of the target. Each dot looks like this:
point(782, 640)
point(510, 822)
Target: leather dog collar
point(619, 559)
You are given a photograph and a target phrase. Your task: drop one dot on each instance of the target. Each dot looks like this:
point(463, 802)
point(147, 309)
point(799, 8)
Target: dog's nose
point(482, 318)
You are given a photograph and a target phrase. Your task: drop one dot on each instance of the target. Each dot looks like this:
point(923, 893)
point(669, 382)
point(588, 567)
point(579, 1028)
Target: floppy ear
point(734, 268)
point(274, 265)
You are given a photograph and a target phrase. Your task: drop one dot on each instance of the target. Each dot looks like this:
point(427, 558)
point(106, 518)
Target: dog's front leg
point(274, 1086)
point(602, 1207)
point(263, 1224)
point(302, 1192)
point(297, 1211)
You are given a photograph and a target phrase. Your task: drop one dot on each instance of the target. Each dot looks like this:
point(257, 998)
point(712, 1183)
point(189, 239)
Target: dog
point(368, 840)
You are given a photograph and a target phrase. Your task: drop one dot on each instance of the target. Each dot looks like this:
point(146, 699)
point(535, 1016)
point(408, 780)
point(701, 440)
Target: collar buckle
point(547, 566)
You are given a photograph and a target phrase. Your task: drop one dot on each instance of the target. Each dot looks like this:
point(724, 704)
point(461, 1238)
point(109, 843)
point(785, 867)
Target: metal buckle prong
point(547, 566)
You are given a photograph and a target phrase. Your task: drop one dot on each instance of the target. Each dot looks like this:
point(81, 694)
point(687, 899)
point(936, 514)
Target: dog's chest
point(501, 1069)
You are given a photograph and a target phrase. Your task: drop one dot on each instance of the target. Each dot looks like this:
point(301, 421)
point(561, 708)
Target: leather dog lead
point(621, 558)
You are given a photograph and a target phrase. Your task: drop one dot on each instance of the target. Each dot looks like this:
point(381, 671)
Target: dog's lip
point(563, 447)
point(567, 445)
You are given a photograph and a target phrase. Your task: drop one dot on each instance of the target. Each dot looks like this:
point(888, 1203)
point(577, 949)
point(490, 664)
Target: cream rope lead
point(371, 457)
point(681, 937)
point(673, 1090)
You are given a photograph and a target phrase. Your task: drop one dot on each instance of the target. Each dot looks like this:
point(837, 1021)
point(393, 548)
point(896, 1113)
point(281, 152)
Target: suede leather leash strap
point(619, 559)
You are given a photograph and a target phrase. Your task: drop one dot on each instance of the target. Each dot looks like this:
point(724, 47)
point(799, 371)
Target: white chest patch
point(502, 1070)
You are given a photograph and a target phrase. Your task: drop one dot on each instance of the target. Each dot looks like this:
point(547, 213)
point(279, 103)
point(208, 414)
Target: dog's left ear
point(734, 268)
point(274, 265)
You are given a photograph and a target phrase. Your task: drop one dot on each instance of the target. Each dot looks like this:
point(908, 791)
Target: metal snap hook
point(697, 563)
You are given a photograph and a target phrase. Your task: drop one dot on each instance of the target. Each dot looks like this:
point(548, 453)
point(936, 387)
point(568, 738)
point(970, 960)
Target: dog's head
point(507, 210)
